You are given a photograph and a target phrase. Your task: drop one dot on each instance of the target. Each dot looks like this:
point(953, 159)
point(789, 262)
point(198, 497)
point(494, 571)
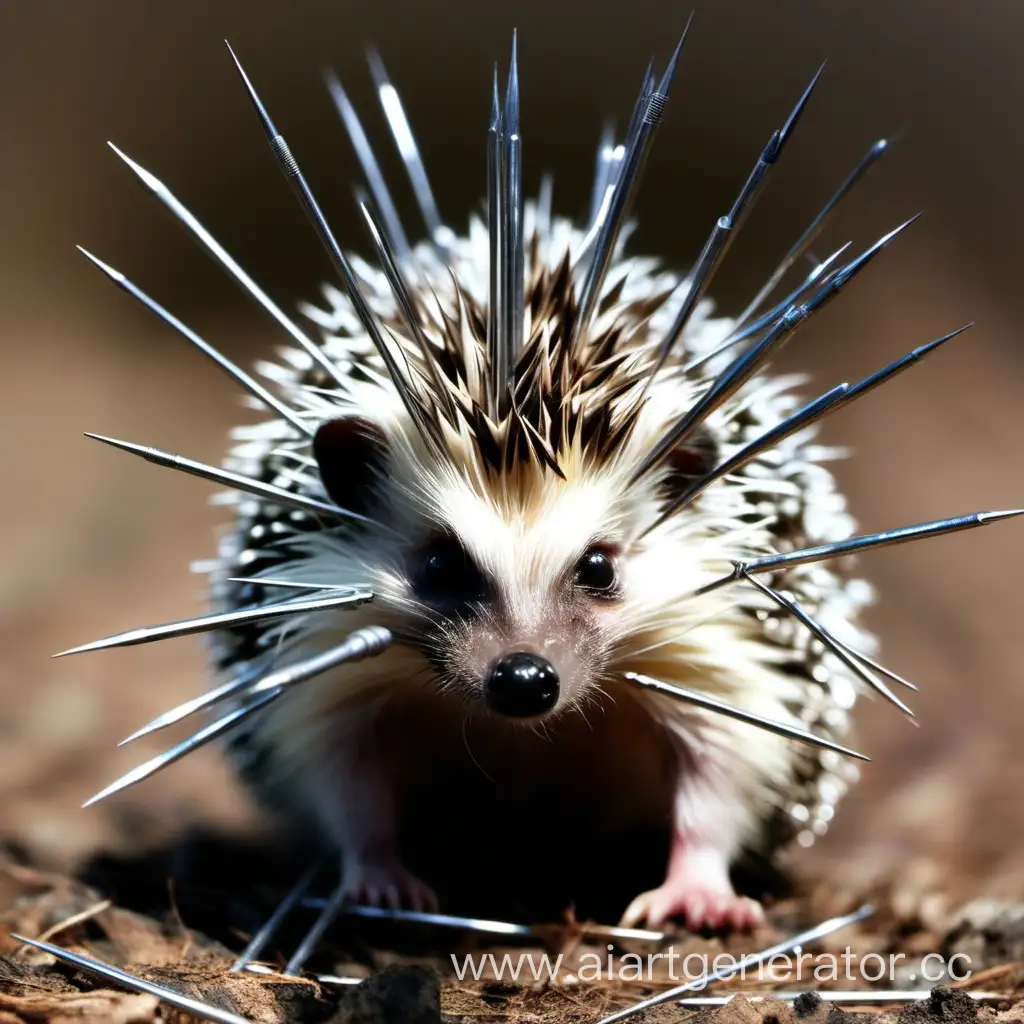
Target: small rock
point(947, 1004)
point(806, 1004)
point(396, 995)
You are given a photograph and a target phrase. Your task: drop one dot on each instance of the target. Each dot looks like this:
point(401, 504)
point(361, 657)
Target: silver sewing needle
point(875, 152)
point(648, 114)
point(223, 620)
point(496, 350)
point(195, 1007)
point(300, 187)
point(204, 700)
point(267, 581)
point(882, 539)
point(825, 405)
point(183, 749)
point(741, 369)
point(765, 320)
point(401, 131)
point(825, 637)
point(371, 169)
point(709, 703)
point(510, 339)
point(233, 371)
point(403, 296)
point(833, 924)
point(224, 258)
point(170, 460)
point(728, 227)
point(366, 642)
point(312, 938)
point(266, 931)
point(800, 420)
point(885, 538)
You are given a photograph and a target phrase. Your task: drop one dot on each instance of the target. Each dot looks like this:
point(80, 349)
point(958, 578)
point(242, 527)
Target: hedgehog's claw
point(388, 885)
point(696, 891)
point(696, 908)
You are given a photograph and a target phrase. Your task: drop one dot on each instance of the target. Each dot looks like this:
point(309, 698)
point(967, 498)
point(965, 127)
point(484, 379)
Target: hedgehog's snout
point(521, 685)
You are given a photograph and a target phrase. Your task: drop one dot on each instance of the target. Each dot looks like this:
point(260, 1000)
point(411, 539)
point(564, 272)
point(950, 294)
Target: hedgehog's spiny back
point(606, 388)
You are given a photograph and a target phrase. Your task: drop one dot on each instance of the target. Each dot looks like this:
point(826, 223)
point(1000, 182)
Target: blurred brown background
point(92, 542)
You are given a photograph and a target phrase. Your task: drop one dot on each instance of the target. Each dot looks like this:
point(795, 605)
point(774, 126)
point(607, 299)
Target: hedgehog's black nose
point(521, 685)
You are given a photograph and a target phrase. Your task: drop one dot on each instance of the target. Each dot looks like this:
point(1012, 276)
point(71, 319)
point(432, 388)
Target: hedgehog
point(530, 527)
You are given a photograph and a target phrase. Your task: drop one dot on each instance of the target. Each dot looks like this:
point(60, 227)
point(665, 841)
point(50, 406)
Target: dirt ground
point(409, 981)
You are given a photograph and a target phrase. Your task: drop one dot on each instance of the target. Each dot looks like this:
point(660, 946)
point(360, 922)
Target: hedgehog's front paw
point(698, 907)
point(388, 885)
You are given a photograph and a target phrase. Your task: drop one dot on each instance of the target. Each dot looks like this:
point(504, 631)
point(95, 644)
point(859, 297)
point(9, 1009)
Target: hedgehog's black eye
point(596, 572)
point(444, 575)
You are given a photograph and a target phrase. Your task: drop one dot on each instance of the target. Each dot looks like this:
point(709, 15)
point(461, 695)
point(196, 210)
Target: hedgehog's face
point(520, 609)
point(521, 650)
point(520, 593)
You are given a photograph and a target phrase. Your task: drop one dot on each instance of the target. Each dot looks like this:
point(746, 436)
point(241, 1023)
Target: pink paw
point(387, 885)
point(697, 908)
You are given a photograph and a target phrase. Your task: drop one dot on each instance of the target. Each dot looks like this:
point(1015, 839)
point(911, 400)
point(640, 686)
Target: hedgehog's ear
point(689, 461)
point(351, 453)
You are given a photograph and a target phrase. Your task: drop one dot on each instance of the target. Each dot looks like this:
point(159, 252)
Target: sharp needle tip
point(902, 227)
point(670, 70)
point(113, 442)
point(268, 125)
point(1010, 513)
point(238, 63)
point(105, 267)
point(801, 104)
point(150, 180)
